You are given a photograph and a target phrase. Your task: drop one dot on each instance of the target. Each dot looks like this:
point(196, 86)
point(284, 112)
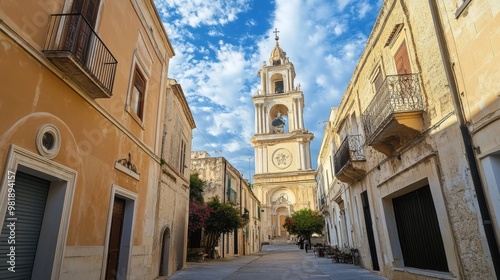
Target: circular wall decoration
point(282, 158)
point(48, 141)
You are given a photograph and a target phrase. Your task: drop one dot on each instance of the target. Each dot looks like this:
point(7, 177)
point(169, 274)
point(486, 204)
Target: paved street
point(274, 262)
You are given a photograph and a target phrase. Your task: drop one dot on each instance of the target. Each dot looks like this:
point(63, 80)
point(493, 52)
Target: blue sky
point(220, 46)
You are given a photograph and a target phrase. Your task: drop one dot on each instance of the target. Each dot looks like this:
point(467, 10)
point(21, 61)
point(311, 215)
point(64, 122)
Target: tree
point(198, 215)
point(196, 187)
point(305, 222)
point(223, 218)
point(198, 212)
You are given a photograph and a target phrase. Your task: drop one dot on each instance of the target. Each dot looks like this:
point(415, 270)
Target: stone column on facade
point(259, 130)
point(301, 157)
point(262, 82)
point(295, 114)
point(256, 159)
point(308, 155)
point(265, 160)
point(261, 117)
point(304, 154)
point(286, 85)
point(256, 118)
point(261, 159)
point(266, 119)
point(301, 120)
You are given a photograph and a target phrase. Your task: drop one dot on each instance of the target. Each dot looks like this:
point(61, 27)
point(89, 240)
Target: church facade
point(284, 180)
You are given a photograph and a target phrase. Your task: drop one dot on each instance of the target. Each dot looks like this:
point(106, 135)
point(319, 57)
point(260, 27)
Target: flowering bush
point(198, 215)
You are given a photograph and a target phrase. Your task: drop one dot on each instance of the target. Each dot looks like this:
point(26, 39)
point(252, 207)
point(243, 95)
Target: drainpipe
point(224, 200)
point(241, 210)
point(467, 140)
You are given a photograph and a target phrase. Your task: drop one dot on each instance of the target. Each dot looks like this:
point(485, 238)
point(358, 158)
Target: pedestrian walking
point(306, 244)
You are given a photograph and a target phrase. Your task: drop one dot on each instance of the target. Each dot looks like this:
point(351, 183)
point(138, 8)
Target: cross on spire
point(276, 35)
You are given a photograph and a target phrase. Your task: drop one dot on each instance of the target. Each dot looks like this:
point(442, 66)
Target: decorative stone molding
point(126, 166)
point(282, 158)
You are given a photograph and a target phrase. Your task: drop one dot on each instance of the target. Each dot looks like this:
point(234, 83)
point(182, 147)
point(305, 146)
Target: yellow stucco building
point(84, 101)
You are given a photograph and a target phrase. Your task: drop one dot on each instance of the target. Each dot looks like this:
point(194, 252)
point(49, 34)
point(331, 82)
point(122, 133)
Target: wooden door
point(78, 31)
point(418, 230)
point(369, 230)
point(115, 237)
point(402, 60)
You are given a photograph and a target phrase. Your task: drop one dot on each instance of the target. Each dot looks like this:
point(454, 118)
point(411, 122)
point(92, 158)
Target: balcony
point(349, 160)
point(74, 47)
point(394, 116)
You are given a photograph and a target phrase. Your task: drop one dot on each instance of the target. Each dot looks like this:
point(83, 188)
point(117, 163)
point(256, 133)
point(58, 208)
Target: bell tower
point(284, 180)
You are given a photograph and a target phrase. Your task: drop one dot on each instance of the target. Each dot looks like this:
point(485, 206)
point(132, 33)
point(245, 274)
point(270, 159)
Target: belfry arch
point(277, 83)
point(279, 113)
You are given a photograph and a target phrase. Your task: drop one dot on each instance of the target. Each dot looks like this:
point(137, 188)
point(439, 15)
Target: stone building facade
point(333, 197)
point(83, 142)
point(172, 208)
point(226, 182)
point(284, 179)
point(411, 152)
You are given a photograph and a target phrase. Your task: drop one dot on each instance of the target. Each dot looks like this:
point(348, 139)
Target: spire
point(276, 37)
point(278, 56)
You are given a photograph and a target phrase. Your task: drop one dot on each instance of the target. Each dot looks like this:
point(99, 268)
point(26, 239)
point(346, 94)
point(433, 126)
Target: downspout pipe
point(224, 200)
point(467, 140)
point(241, 211)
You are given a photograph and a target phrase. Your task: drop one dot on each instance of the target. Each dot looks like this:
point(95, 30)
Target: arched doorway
point(282, 201)
point(165, 252)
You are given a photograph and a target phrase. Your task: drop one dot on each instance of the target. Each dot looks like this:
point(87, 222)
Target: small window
point(182, 161)
point(138, 92)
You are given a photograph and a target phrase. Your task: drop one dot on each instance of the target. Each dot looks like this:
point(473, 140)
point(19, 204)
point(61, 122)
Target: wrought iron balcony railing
point(398, 94)
point(351, 149)
point(71, 39)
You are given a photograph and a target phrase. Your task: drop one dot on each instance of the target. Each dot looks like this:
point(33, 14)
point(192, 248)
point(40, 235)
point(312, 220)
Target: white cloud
point(341, 4)
point(323, 41)
point(363, 8)
point(196, 13)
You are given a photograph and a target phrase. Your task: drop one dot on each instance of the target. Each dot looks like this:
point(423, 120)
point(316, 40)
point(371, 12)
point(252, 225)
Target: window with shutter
point(402, 60)
point(138, 90)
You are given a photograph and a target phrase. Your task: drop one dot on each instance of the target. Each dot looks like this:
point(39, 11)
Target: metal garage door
point(31, 195)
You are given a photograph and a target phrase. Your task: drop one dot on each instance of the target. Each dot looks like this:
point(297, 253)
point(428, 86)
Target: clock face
point(282, 158)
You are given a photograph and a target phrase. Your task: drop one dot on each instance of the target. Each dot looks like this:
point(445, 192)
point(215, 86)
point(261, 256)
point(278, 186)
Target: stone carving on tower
point(282, 145)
